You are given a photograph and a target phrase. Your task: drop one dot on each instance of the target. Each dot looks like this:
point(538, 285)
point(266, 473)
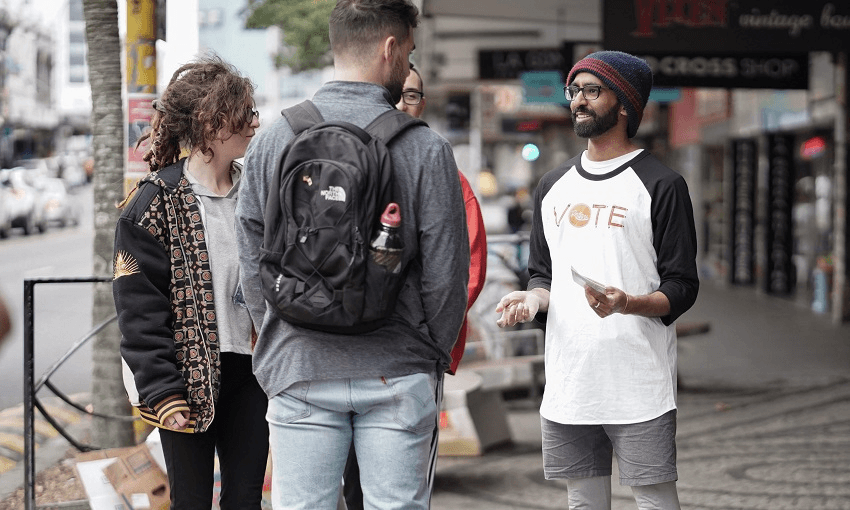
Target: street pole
point(141, 83)
point(839, 273)
point(141, 46)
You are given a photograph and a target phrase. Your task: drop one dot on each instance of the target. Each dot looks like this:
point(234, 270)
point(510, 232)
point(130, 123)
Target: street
point(62, 311)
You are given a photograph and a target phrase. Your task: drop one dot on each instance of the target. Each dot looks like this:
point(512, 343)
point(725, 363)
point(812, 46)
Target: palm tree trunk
point(107, 121)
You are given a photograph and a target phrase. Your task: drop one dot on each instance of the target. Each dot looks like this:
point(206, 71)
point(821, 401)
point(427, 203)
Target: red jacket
point(477, 262)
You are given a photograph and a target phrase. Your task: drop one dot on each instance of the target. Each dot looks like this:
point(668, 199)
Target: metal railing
point(31, 388)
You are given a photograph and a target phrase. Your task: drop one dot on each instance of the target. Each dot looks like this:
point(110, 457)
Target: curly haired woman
point(187, 336)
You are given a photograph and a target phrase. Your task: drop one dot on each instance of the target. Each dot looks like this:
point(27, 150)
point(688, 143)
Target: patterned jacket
point(163, 293)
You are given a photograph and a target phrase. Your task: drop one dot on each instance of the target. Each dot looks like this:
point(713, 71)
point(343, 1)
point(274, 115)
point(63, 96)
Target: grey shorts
point(646, 452)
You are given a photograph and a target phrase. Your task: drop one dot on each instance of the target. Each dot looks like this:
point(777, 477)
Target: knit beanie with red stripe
point(628, 76)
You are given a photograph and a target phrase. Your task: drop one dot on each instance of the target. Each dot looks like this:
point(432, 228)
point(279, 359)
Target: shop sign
point(514, 126)
point(743, 212)
point(778, 243)
point(751, 71)
point(543, 87)
point(512, 63)
point(726, 26)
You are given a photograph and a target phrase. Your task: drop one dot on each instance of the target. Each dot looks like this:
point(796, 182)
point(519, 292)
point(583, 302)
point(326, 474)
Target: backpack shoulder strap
point(302, 116)
point(391, 123)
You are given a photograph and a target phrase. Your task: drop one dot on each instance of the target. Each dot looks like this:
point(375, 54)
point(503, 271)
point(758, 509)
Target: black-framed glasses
point(412, 97)
point(250, 114)
point(590, 92)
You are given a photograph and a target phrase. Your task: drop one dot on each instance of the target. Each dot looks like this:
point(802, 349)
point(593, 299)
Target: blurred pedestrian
point(187, 335)
point(413, 102)
point(519, 212)
point(617, 215)
point(376, 389)
point(5, 321)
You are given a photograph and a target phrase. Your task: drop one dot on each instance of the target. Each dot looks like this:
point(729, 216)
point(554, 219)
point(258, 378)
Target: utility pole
point(141, 83)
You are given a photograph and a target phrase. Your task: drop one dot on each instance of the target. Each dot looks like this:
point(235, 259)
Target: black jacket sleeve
point(141, 289)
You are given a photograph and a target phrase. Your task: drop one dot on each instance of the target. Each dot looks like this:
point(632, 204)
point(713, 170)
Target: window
point(77, 75)
point(210, 18)
point(75, 10)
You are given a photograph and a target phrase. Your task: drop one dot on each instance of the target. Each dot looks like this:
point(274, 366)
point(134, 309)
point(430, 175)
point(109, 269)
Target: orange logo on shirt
point(579, 215)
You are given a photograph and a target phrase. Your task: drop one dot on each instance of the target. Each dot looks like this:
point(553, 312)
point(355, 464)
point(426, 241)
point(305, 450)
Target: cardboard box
point(137, 477)
point(101, 494)
point(123, 478)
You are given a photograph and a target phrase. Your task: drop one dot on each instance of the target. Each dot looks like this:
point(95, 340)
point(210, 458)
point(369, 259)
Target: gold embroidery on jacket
point(124, 265)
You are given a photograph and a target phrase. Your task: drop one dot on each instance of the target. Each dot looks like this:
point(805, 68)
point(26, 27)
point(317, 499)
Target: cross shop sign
point(753, 71)
point(726, 26)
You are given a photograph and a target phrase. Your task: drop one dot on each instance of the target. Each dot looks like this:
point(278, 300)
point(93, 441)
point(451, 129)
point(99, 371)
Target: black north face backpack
point(330, 187)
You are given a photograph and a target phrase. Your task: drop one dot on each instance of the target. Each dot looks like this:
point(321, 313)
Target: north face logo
point(334, 193)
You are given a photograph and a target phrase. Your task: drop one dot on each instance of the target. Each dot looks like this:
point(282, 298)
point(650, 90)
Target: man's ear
point(390, 45)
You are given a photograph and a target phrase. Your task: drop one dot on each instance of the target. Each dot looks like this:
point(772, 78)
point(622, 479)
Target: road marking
point(12, 441)
point(6, 464)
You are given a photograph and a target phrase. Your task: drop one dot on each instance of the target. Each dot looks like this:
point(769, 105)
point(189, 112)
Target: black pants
point(240, 434)
point(352, 492)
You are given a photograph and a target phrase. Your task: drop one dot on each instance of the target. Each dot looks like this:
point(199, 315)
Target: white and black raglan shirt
point(626, 223)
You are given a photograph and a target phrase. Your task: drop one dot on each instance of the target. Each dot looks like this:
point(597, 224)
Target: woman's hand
point(177, 421)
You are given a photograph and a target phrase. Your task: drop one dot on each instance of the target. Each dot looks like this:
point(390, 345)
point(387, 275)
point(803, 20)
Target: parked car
point(57, 205)
point(21, 200)
point(38, 165)
point(70, 169)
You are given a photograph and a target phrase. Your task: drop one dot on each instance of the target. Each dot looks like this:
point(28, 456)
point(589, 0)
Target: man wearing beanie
point(612, 265)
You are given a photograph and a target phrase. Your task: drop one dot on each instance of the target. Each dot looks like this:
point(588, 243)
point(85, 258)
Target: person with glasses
point(612, 264)
point(187, 336)
point(379, 389)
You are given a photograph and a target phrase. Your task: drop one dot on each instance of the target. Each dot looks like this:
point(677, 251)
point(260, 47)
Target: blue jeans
point(391, 422)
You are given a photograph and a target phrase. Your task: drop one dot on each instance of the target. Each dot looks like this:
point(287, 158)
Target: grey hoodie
point(419, 336)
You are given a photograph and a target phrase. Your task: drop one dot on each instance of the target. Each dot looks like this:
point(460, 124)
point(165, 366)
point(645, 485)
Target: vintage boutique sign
point(751, 71)
point(726, 26)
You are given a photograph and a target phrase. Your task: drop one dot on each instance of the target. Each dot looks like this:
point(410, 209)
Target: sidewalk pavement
point(764, 409)
point(763, 419)
point(759, 341)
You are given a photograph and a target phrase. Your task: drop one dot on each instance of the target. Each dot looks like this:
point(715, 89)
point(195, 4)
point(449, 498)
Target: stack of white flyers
point(583, 280)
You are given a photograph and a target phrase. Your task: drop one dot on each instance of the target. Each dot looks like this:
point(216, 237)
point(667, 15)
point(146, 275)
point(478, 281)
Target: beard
point(596, 125)
point(397, 79)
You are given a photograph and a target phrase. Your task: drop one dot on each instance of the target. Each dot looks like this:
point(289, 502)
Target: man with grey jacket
point(379, 389)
